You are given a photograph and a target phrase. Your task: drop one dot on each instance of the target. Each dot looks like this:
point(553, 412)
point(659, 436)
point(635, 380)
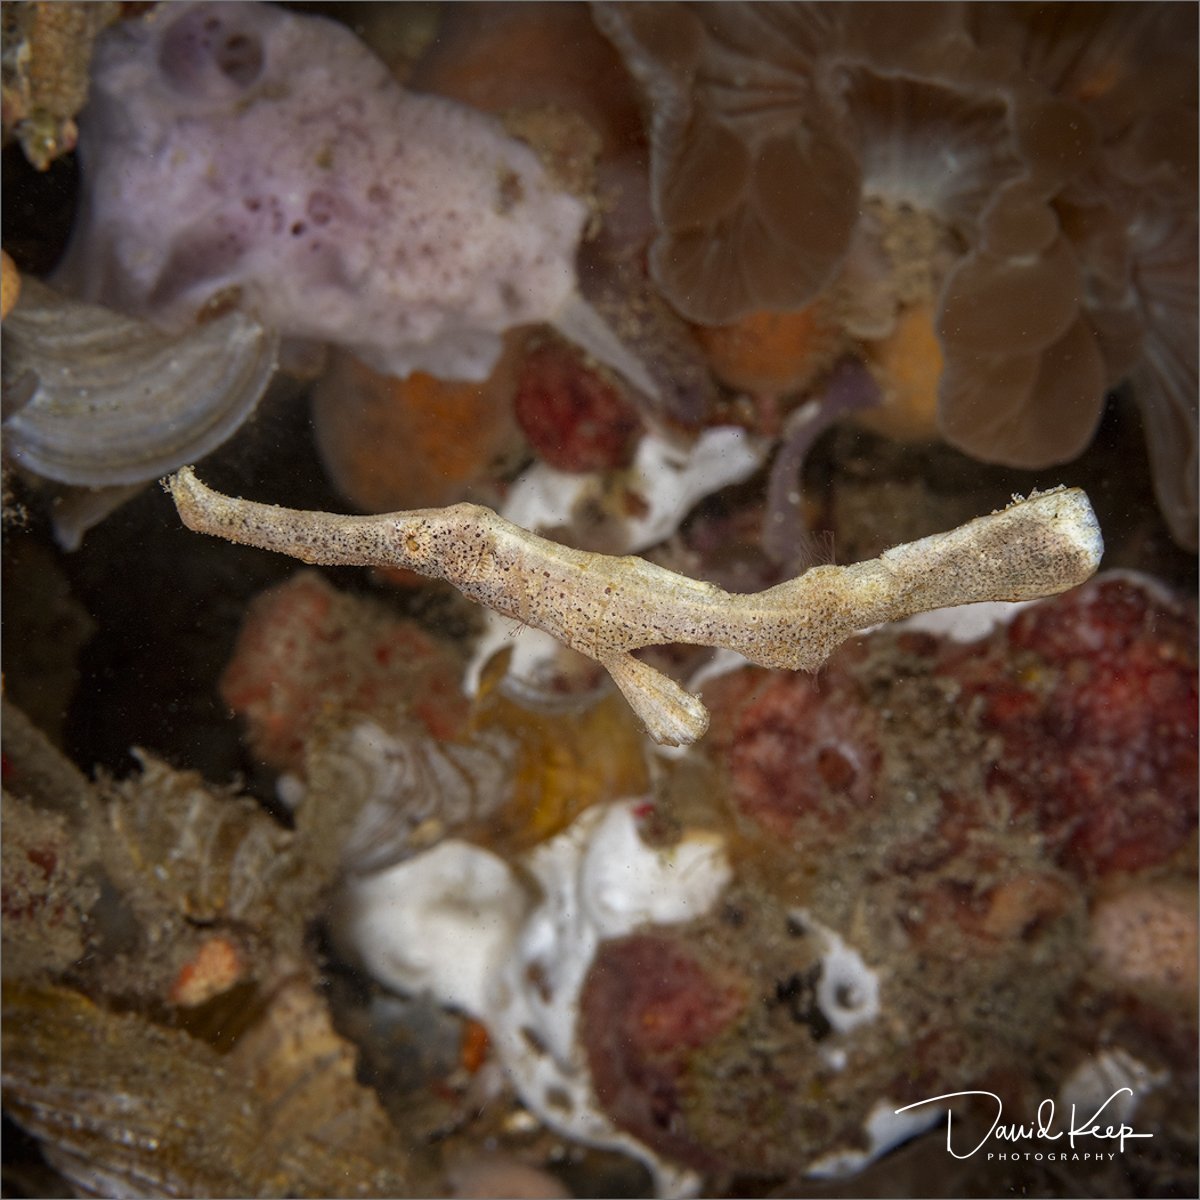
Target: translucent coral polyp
point(790, 142)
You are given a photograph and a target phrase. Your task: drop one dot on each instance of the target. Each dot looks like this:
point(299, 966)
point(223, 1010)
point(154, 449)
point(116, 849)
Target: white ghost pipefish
point(605, 606)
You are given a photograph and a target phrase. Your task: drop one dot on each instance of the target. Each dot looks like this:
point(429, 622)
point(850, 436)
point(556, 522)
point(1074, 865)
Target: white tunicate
point(847, 989)
point(457, 921)
point(443, 922)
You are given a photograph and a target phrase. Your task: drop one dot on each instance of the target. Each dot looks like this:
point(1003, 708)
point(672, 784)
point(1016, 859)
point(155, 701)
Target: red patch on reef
point(647, 1005)
point(306, 651)
point(574, 419)
point(1093, 695)
point(804, 759)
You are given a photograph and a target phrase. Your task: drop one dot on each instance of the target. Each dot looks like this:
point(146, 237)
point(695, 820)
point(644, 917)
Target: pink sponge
point(239, 153)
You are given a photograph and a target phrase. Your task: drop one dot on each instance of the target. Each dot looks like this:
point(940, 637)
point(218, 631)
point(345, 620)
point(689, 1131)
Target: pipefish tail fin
point(671, 714)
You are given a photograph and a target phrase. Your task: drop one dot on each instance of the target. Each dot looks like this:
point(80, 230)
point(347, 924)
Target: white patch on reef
point(965, 622)
point(459, 923)
point(971, 622)
point(722, 662)
point(669, 480)
point(885, 1129)
point(848, 990)
point(543, 498)
point(290, 790)
point(672, 481)
point(834, 1057)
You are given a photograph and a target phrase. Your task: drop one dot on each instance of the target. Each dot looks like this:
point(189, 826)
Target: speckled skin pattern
point(604, 606)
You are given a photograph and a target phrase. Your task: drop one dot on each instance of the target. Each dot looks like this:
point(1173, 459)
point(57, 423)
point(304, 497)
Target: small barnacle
point(606, 607)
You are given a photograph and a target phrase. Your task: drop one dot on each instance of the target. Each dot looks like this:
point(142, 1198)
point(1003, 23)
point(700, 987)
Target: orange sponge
point(771, 352)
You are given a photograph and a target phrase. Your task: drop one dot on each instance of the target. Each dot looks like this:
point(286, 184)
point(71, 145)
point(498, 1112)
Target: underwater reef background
point(329, 882)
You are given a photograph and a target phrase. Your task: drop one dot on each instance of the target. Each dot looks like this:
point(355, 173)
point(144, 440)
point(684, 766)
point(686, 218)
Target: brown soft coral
point(742, 143)
point(1028, 171)
point(1106, 120)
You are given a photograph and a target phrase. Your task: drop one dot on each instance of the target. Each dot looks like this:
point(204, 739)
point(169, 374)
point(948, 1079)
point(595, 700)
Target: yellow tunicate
point(566, 761)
